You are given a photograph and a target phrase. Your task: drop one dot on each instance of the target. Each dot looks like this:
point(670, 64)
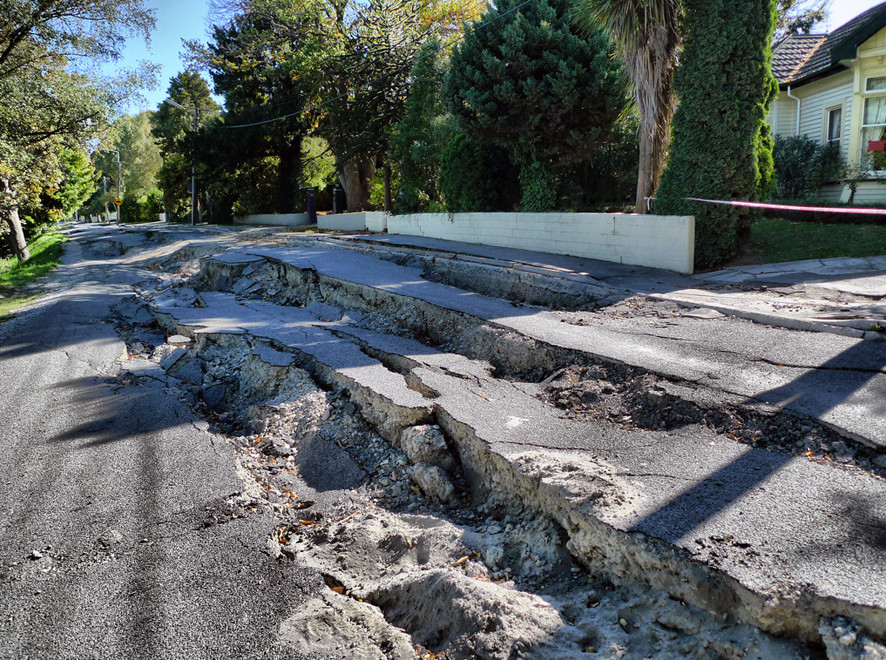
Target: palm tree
point(647, 35)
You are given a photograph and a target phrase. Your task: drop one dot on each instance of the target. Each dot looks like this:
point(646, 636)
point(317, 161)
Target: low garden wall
point(370, 220)
point(657, 241)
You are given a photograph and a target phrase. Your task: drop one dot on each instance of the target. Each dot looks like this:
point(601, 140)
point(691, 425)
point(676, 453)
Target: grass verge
point(16, 278)
point(774, 241)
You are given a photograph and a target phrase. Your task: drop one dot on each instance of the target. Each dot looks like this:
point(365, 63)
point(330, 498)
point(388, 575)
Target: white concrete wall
point(275, 219)
point(641, 240)
point(342, 221)
point(375, 221)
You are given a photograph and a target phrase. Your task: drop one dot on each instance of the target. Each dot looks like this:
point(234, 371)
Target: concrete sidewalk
point(842, 296)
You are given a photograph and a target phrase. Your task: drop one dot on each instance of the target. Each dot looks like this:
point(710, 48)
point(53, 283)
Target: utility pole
point(196, 111)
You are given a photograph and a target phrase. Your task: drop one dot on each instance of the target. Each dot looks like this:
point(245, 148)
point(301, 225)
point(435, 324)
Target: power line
point(320, 105)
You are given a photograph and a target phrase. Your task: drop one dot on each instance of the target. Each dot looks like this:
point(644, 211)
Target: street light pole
point(196, 112)
point(114, 151)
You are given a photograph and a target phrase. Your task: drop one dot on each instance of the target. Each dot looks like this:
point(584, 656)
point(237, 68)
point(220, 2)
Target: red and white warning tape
point(782, 207)
point(790, 207)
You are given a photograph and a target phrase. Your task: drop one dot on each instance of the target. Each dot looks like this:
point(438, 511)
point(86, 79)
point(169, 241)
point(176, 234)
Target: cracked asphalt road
point(104, 547)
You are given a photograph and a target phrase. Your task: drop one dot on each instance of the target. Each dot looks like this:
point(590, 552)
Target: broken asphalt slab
point(838, 380)
point(777, 540)
point(840, 296)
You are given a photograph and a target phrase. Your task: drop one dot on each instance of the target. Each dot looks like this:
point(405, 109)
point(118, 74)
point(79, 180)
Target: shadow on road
point(817, 391)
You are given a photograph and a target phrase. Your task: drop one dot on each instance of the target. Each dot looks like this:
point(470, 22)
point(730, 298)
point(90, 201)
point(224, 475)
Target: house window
point(835, 126)
point(873, 130)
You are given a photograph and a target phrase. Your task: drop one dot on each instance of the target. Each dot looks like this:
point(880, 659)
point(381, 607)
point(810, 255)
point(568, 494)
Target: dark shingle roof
point(792, 53)
point(799, 58)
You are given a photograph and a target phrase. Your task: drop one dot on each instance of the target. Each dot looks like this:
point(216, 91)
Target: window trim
point(828, 114)
point(862, 147)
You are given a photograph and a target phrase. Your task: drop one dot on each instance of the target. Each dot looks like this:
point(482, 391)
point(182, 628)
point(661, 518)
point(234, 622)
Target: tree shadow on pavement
point(703, 501)
point(816, 391)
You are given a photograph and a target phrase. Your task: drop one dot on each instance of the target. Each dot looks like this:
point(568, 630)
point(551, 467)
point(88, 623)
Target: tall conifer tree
point(722, 146)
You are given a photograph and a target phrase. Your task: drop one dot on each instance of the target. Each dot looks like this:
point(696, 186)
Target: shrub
point(538, 186)
point(477, 176)
point(422, 134)
point(802, 165)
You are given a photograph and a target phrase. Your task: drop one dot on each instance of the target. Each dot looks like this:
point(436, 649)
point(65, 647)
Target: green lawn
point(16, 277)
point(773, 241)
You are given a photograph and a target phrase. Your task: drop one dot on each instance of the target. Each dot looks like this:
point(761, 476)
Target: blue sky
point(186, 19)
point(176, 20)
point(845, 10)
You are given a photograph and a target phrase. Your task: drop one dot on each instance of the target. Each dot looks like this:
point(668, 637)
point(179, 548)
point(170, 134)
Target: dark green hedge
point(722, 147)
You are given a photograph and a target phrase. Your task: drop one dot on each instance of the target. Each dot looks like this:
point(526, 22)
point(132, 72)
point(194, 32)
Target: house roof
point(799, 58)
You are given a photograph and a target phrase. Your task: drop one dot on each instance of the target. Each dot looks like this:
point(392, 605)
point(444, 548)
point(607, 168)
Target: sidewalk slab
point(804, 295)
point(840, 381)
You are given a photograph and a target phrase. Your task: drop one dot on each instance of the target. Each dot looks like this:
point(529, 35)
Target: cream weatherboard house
point(833, 89)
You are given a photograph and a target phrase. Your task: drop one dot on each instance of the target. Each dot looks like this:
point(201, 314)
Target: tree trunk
point(387, 187)
point(645, 171)
point(287, 179)
point(16, 236)
point(355, 177)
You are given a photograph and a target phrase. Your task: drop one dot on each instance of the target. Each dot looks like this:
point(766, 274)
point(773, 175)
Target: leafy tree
point(423, 134)
point(648, 37)
point(799, 16)
point(256, 61)
point(30, 31)
point(173, 129)
point(43, 108)
point(722, 146)
point(59, 197)
point(45, 103)
point(527, 80)
point(78, 181)
point(319, 164)
point(139, 153)
point(371, 78)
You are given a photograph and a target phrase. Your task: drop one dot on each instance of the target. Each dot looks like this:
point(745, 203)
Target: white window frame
point(828, 115)
point(867, 94)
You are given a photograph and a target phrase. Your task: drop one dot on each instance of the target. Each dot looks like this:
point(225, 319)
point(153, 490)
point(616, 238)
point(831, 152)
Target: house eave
point(839, 67)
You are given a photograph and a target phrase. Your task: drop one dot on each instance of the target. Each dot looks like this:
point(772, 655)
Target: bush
point(538, 186)
point(422, 135)
point(142, 209)
point(477, 176)
point(607, 179)
point(802, 165)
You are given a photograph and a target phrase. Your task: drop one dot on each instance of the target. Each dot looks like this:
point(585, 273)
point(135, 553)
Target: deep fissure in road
point(261, 401)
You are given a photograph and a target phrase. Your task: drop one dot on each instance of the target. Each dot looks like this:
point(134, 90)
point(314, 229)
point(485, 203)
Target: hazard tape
point(788, 207)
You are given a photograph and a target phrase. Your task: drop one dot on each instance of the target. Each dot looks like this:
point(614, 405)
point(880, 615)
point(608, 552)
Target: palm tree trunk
point(645, 171)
